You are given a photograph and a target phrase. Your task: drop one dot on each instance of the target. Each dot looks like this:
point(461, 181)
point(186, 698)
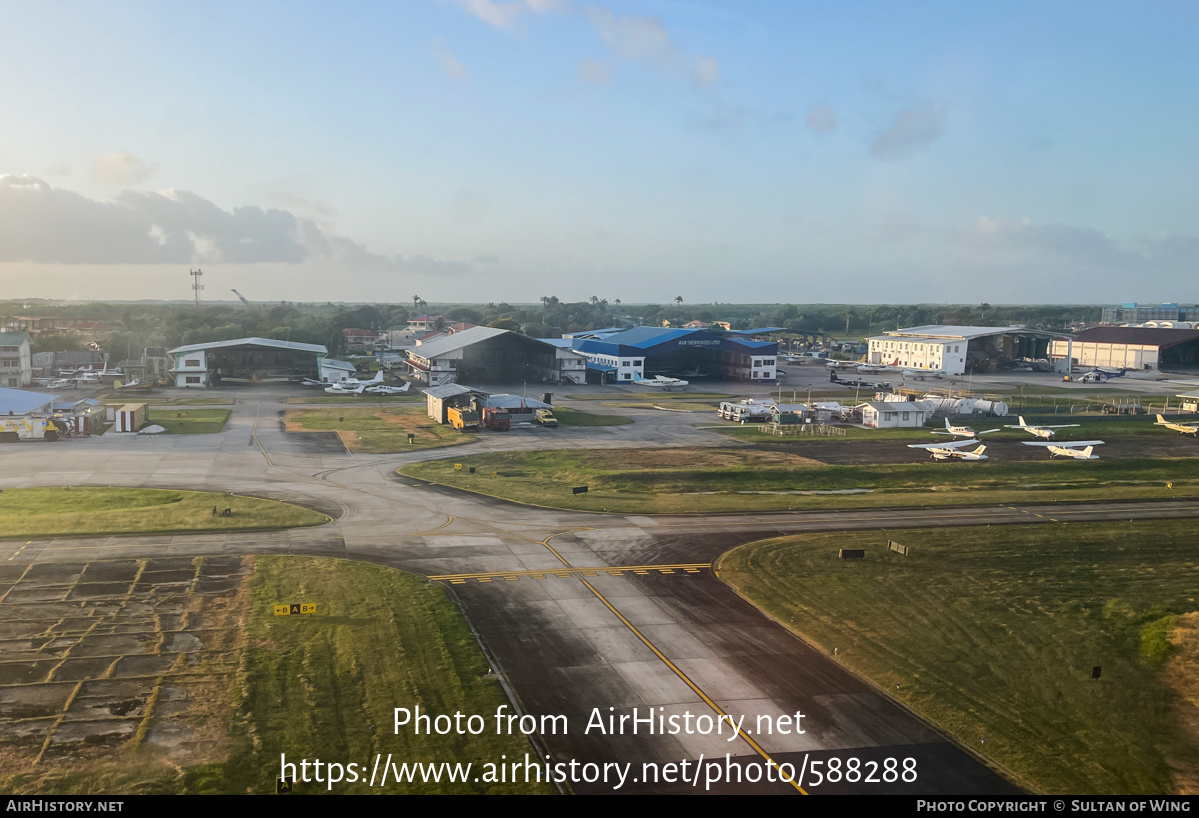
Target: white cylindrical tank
point(990, 407)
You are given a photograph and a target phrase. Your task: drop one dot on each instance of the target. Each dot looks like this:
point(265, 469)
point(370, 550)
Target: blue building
point(619, 356)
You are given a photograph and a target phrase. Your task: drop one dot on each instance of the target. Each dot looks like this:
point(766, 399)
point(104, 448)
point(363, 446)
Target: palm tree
point(416, 303)
point(678, 299)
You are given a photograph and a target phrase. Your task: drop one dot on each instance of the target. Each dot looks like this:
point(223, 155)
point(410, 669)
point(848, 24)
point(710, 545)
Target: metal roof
point(1141, 336)
point(21, 402)
point(961, 332)
point(754, 331)
point(600, 367)
point(450, 390)
point(13, 339)
point(450, 343)
point(295, 346)
point(333, 363)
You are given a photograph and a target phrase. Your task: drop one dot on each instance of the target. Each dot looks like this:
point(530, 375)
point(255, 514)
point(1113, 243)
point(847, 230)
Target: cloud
point(449, 63)
point(120, 169)
point(822, 119)
point(43, 224)
point(505, 14)
point(913, 130)
point(594, 72)
point(631, 38)
point(489, 258)
point(59, 169)
point(706, 72)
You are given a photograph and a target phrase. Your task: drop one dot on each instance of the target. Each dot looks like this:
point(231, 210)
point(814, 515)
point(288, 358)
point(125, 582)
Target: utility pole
point(196, 285)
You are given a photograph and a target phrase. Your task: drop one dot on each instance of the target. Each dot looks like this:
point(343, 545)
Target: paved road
point(580, 612)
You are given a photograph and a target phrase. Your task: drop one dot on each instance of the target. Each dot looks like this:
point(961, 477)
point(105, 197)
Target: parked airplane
point(312, 383)
point(1046, 432)
point(954, 449)
point(1181, 428)
point(1069, 449)
point(962, 431)
point(355, 382)
point(344, 389)
point(382, 389)
point(661, 382)
point(61, 383)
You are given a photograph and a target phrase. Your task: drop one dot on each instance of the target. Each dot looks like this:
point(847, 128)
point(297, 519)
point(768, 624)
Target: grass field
point(1102, 427)
point(326, 685)
point(317, 686)
point(574, 417)
point(694, 480)
point(190, 421)
point(46, 512)
point(651, 396)
point(156, 401)
point(376, 430)
point(993, 632)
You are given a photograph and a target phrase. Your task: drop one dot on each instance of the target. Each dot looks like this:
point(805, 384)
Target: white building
point(487, 354)
point(935, 347)
point(893, 415)
point(16, 364)
point(245, 360)
point(1130, 347)
point(334, 371)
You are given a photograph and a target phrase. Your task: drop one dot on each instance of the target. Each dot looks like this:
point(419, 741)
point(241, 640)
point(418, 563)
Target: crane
point(242, 297)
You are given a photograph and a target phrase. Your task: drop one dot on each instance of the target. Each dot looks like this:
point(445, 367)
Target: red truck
point(497, 418)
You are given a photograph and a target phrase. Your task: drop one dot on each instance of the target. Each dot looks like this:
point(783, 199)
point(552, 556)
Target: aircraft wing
point(1064, 444)
point(987, 431)
point(951, 444)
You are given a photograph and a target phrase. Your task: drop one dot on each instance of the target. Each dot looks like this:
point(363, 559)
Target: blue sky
point(482, 150)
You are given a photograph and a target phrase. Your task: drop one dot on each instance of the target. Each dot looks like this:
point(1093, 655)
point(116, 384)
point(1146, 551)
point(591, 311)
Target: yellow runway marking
point(616, 571)
point(683, 676)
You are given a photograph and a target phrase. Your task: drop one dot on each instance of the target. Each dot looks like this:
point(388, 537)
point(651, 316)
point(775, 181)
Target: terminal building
point(622, 355)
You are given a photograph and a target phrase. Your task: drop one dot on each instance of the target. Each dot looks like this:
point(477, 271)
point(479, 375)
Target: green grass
point(1102, 427)
point(650, 396)
point(694, 480)
point(319, 686)
point(377, 430)
point(156, 401)
point(46, 512)
point(574, 417)
point(190, 421)
point(326, 685)
point(993, 632)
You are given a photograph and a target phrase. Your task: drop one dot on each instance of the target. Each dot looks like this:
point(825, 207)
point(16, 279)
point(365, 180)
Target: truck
point(463, 419)
point(497, 418)
point(13, 429)
point(545, 417)
point(748, 410)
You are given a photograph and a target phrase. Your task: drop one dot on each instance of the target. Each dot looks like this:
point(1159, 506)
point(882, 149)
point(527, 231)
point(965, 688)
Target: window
point(193, 378)
point(905, 415)
point(192, 362)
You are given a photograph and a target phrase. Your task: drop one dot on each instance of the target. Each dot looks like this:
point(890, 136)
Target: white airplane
point(312, 383)
point(662, 382)
point(963, 431)
point(344, 389)
point(1078, 449)
point(382, 389)
point(61, 383)
point(1181, 428)
point(954, 449)
point(1046, 432)
point(355, 382)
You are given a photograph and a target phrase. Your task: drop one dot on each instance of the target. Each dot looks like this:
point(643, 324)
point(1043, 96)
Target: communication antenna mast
point(196, 285)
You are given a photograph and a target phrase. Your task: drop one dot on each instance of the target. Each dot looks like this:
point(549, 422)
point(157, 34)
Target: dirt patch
point(1182, 674)
point(82, 680)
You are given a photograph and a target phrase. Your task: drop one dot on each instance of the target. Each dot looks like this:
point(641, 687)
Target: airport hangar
point(1132, 347)
point(251, 360)
point(620, 355)
point(957, 350)
point(491, 355)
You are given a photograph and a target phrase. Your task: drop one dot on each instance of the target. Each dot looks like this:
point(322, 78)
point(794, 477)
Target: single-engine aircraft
point(1181, 428)
point(1046, 432)
point(1078, 449)
point(963, 431)
point(953, 450)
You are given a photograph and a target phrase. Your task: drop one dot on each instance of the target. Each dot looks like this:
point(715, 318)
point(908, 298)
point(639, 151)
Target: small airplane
point(355, 382)
point(955, 449)
point(662, 382)
point(834, 365)
point(345, 389)
point(1181, 428)
point(1069, 449)
point(963, 431)
point(1046, 432)
point(382, 389)
point(311, 382)
point(61, 383)
point(134, 385)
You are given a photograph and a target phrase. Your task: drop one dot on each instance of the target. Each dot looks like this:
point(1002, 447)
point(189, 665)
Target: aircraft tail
point(378, 377)
point(1087, 451)
point(1161, 420)
point(1022, 423)
point(947, 424)
point(979, 450)
point(404, 388)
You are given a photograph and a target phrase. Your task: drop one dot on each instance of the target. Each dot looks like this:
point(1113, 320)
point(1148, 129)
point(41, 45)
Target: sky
point(505, 150)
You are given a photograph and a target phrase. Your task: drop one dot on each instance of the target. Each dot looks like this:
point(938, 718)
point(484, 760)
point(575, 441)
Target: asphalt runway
point(579, 612)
